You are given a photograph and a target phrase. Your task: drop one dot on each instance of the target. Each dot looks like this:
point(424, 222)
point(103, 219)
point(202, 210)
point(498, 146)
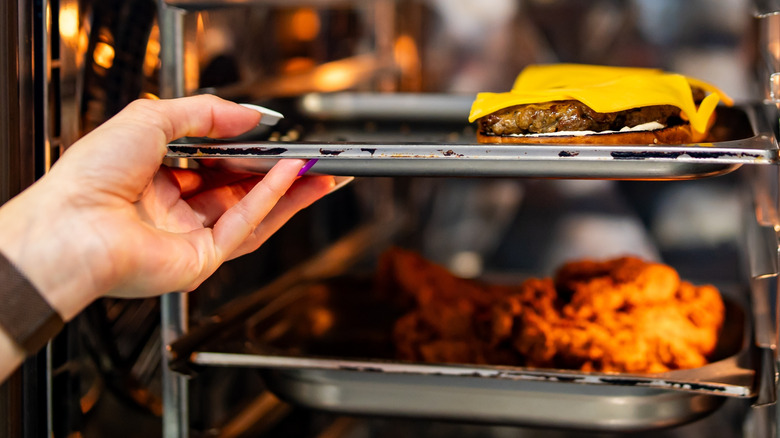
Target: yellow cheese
point(605, 90)
point(549, 76)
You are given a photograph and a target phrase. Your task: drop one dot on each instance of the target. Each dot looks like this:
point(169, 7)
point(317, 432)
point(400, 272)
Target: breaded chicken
point(620, 315)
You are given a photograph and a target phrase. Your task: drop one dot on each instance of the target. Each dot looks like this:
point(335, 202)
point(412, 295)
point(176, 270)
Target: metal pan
point(614, 409)
point(425, 147)
point(330, 348)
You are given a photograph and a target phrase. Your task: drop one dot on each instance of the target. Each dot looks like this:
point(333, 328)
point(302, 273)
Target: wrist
point(44, 251)
point(26, 316)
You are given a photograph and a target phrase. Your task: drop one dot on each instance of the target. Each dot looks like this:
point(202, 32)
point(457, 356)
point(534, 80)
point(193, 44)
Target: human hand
point(109, 220)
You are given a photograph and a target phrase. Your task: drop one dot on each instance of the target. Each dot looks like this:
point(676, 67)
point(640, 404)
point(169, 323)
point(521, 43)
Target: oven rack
point(205, 345)
point(492, 394)
point(447, 148)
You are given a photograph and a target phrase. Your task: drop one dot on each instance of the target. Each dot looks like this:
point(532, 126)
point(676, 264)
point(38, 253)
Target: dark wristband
point(24, 314)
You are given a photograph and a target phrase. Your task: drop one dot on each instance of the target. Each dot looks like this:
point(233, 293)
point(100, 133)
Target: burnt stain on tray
point(679, 385)
point(369, 150)
point(361, 369)
point(567, 154)
point(332, 152)
point(644, 155)
point(212, 151)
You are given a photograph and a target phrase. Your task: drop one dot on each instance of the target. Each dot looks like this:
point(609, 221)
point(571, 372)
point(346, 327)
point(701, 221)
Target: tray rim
point(663, 381)
point(415, 158)
point(730, 376)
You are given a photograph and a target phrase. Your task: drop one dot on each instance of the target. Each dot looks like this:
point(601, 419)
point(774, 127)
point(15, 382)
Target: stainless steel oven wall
point(25, 66)
point(12, 179)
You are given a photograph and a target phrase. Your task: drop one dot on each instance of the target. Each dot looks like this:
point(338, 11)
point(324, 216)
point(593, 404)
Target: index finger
point(241, 220)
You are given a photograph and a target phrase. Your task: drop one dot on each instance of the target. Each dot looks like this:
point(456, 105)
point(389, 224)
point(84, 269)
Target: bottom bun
point(679, 134)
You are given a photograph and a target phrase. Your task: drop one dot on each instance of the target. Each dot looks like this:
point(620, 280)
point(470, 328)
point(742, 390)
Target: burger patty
point(572, 115)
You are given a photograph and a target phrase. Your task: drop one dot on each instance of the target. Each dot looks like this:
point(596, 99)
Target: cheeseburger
point(588, 104)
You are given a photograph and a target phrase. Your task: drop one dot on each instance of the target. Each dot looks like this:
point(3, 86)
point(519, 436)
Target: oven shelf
point(426, 147)
point(347, 368)
point(273, 344)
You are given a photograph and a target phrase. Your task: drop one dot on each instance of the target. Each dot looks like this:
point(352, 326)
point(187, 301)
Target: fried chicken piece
point(535, 296)
point(629, 281)
point(407, 275)
point(621, 315)
point(610, 323)
point(449, 313)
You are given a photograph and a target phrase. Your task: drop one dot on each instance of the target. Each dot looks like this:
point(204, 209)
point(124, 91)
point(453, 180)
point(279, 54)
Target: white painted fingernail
point(270, 117)
point(341, 181)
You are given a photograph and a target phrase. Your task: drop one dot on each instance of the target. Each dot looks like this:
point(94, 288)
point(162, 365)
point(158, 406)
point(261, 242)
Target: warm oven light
point(405, 53)
point(152, 56)
point(344, 73)
point(298, 64)
point(305, 24)
point(332, 77)
point(201, 25)
point(69, 23)
point(103, 55)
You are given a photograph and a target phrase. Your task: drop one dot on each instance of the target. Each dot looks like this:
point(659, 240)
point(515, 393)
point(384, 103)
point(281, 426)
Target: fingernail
point(307, 166)
point(270, 117)
point(341, 181)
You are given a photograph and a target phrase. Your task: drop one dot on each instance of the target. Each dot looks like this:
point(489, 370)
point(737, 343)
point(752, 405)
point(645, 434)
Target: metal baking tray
point(361, 142)
point(329, 346)
point(618, 409)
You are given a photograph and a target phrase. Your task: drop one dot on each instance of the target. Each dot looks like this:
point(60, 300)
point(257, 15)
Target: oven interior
point(293, 340)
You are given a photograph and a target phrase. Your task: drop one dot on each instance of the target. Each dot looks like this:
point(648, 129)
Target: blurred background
point(463, 46)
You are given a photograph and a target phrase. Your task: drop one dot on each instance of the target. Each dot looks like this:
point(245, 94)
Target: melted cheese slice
point(605, 90)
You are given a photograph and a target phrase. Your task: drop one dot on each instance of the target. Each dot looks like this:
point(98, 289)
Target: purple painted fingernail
point(307, 166)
